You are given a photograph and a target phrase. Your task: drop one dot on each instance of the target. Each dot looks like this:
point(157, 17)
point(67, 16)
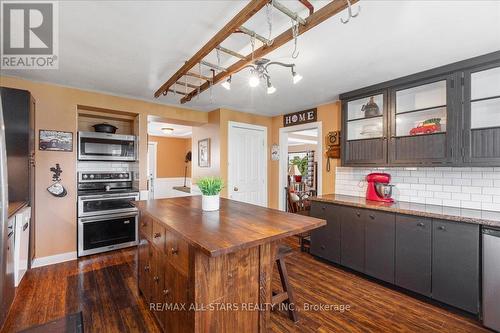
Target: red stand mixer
point(379, 188)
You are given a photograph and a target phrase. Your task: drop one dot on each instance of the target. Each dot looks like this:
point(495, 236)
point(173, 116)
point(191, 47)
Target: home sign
point(301, 117)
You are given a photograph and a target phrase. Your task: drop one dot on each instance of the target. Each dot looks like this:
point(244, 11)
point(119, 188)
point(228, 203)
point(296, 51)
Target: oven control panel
point(104, 176)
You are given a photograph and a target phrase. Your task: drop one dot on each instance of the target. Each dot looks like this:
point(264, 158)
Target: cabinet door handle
point(323, 247)
point(372, 217)
point(420, 224)
point(166, 291)
point(323, 208)
point(157, 235)
point(146, 268)
point(174, 251)
point(358, 214)
point(156, 278)
point(442, 228)
point(144, 224)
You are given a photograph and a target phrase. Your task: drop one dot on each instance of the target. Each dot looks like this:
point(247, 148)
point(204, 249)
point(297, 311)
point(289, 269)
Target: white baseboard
point(55, 259)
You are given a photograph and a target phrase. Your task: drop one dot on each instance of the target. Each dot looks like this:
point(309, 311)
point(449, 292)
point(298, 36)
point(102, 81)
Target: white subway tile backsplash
point(460, 196)
point(482, 198)
point(453, 189)
point(426, 180)
point(460, 182)
point(442, 195)
point(473, 188)
point(491, 190)
point(482, 182)
point(443, 181)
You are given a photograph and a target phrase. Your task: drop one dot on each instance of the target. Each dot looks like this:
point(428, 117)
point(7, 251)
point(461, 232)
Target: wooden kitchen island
point(211, 271)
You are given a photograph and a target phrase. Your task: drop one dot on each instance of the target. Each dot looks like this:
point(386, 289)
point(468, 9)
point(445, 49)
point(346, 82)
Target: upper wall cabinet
point(365, 129)
point(448, 116)
point(422, 118)
point(481, 135)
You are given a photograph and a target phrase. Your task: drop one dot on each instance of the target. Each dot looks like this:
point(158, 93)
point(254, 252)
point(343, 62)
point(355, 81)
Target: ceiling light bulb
point(227, 84)
point(296, 78)
point(270, 88)
point(167, 130)
point(254, 80)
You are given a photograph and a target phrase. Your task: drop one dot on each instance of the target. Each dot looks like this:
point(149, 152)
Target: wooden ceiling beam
point(321, 15)
point(246, 13)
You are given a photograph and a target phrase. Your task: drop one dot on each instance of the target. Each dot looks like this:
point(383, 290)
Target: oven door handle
point(105, 217)
point(135, 197)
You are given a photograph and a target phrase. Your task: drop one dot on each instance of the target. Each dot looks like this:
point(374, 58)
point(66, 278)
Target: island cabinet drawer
point(146, 225)
point(159, 236)
point(177, 252)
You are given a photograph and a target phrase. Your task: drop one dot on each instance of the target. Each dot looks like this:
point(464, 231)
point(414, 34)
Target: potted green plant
point(210, 188)
point(301, 164)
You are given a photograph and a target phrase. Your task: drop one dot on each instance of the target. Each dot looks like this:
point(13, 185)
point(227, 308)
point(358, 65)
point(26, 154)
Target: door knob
point(235, 189)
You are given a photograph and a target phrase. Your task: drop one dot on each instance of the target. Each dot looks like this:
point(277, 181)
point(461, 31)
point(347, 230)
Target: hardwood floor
point(104, 288)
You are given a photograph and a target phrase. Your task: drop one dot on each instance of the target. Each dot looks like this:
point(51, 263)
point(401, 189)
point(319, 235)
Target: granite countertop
point(16, 206)
point(475, 216)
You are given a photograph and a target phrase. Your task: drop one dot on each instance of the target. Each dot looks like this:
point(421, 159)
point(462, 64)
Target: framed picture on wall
point(55, 141)
point(204, 153)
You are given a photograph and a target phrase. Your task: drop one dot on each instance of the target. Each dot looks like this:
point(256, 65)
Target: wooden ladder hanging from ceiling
point(234, 26)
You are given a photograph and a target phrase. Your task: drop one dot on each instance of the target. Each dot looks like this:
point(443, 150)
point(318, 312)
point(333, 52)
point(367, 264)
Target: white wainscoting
point(164, 187)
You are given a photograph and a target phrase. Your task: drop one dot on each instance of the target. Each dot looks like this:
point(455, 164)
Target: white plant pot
point(210, 203)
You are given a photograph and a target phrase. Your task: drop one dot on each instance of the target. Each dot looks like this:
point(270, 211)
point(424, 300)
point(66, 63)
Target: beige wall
point(56, 109)
point(211, 130)
point(329, 115)
point(170, 156)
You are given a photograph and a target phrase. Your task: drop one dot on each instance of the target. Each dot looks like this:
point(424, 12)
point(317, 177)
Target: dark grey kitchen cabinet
point(469, 133)
point(380, 232)
point(325, 241)
point(365, 128)
point(481, 135)
point(423, 120)
point(352, 239)
point(455, 264)
point(413, 253)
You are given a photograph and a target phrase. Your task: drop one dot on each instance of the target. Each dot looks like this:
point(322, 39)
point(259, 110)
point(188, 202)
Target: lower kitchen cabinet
point(162, 276)
point(325, 241)
point(455, 264)
point(352, 239)
point(379, 245)
point(414, 253)
point(435, 258)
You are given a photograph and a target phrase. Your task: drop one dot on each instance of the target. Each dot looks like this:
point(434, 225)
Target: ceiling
point(179, 131)
point(305, 137)
point(129, 48)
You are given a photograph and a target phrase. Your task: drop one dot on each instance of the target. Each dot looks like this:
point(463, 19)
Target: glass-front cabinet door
point(422, 117)
point(482, 115)
point(365, 129)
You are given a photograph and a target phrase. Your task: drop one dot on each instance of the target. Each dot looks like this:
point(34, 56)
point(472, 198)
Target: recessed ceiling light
point(167, 130)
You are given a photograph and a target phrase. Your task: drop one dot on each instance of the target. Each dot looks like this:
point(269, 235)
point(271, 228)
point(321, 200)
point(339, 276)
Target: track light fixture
point(227, 83)
point(270, 88)
point(259, 71)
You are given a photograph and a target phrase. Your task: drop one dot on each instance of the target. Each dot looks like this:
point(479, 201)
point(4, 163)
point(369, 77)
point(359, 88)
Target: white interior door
point(152, 147)
point(247, 163)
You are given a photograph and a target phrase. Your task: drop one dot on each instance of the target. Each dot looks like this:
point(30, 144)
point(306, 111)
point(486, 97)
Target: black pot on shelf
point(371, 108)
point(105, 128)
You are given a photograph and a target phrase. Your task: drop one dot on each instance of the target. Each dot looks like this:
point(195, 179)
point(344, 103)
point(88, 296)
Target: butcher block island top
point(211, 271)
point(235, 226)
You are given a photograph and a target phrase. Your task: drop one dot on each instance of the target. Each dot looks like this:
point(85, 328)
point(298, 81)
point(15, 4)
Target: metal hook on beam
point(350, 14)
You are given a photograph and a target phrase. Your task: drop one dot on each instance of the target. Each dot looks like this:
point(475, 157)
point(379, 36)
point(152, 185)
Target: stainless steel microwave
point(95, 146)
